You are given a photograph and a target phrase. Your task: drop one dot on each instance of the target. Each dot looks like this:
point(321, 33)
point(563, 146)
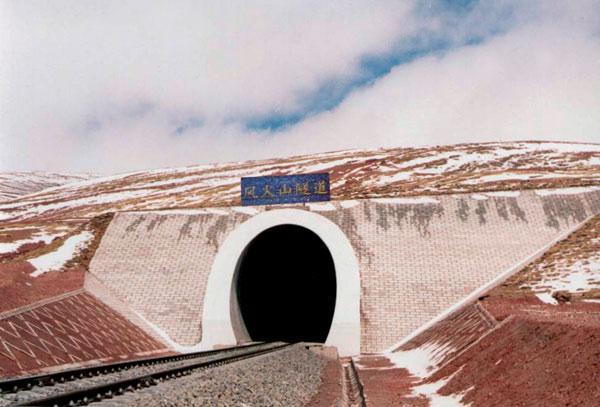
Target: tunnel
point(286, 286)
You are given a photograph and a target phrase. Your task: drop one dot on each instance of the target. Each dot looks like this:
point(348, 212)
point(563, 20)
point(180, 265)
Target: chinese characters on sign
point(285, 189)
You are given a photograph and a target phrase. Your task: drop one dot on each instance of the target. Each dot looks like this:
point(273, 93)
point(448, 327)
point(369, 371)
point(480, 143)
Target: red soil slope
point(535, 357)
point(18, 288)
point(531, 362)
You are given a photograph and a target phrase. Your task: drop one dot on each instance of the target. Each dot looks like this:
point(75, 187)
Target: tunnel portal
point(286, 286)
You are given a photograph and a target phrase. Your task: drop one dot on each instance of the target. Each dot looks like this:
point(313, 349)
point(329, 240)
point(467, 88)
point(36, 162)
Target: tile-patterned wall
point(72, 329)
point(417, 256)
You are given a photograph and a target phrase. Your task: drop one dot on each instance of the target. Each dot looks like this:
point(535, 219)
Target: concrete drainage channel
point(352, 389)
point(90, 385)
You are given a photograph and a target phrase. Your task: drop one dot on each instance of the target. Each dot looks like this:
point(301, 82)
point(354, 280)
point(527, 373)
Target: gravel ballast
point(288, 377)
point(73, 385)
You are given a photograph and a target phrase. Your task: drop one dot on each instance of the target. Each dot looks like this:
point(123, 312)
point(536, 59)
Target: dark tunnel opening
point(286, 286)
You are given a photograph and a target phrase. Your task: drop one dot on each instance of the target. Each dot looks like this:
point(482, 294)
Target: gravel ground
point(45, 391)
point(289, 377)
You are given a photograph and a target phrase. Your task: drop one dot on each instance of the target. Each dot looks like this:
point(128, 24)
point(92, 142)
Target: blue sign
point(285, 189)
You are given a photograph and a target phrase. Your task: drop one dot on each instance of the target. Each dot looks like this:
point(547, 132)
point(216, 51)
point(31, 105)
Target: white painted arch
point(219, 323)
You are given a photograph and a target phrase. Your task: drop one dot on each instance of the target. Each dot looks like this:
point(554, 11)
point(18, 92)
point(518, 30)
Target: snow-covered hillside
point(16, 184)
point(354, 174)
point(571, 268)
point(38, 224)
point(63, 208)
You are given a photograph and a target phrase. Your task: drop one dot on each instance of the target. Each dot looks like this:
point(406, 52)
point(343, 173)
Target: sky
point(112, 86)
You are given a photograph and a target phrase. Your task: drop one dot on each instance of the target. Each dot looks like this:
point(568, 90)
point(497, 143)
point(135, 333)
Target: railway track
point(83, 386)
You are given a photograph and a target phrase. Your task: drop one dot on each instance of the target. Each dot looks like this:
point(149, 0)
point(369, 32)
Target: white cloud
point(102, 86)
point(535, 82)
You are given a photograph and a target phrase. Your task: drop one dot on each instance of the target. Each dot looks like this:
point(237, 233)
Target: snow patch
point(89, 200)
point(455, 160)
point(566, 147)
point(12, 246)
point(546, 298)
point(58, 258)
point(389, 179)
point(417, 361)
point(420, 362)
point(578, 277)
point(430, 390)
point(172, 181)
point(329, 164)
point(5, 215)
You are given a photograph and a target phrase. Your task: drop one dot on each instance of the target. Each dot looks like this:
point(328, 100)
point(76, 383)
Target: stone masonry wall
point(159, 264)
point(417, 256)
point(419, 259)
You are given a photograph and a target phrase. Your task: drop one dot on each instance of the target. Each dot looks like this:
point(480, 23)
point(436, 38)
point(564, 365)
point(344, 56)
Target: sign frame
point(285, 189)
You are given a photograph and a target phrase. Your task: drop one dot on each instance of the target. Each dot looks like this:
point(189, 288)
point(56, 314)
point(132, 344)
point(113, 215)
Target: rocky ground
point(82, 383)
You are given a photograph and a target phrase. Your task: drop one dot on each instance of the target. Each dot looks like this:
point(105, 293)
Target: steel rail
point(108, 390)
point(50, 379)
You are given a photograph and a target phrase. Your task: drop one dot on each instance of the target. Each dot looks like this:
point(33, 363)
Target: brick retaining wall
point(417, 256)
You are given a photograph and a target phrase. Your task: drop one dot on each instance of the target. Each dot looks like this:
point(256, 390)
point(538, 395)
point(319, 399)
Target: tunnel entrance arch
point(285, 286)
point(222, 320)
